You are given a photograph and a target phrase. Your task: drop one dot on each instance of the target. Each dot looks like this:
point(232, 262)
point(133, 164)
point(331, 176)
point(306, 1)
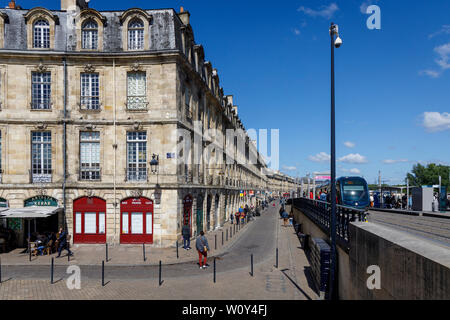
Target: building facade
point(100, 114)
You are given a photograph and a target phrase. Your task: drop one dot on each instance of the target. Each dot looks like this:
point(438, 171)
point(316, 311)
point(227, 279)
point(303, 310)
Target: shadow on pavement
point(295, 284)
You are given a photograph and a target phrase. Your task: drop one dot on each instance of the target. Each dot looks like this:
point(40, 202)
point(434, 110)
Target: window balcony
point(90, 174)
point(41, 105)
point(137, 103)
point(41, 176)
point(136, 174)
point(90, 103)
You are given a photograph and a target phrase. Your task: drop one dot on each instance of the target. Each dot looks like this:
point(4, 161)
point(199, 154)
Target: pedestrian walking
point(201, 244)
point(186, 232)
point(231, 217)
point(237, 214)
point(63, 242)
point(285, 217)
point(371, 200)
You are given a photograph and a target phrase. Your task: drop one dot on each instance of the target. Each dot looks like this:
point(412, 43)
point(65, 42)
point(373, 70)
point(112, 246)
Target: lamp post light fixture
point(335, 42)
point(154, 163)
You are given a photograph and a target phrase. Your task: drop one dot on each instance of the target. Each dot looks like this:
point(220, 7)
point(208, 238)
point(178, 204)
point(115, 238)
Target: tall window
point(187, 101)
point(41, 90)
point(136, 35)
point(136, 88)
point(41, 156)
point(90, 155)
point(89, 35)
point(41, 33)
point(90, 93)
point(137, 156)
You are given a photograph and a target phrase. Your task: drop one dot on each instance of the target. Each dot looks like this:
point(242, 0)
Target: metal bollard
point(222, 238)
point(103, 273)
point(29, 250)
point(143, 251)
point(227, 234)
point(214, 270)
point(177, 248)
point(215, 242)
point(251, 264)
point(231, 233)
point(160, 273)
point(106, 253)
point(276, 261)
point(51, 271)
point(68, 247)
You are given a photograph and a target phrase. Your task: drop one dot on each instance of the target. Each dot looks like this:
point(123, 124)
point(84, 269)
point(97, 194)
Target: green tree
point(429, 175)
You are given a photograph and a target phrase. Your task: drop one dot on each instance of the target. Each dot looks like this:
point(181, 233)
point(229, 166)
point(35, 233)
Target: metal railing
point(319, 212)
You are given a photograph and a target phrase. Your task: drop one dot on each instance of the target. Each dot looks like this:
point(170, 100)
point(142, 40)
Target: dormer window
point(41, 34)
point(136, 35)
point(90, 35)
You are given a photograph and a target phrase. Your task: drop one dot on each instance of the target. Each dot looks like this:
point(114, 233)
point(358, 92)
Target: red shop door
point(89, 220)
point(136, 221)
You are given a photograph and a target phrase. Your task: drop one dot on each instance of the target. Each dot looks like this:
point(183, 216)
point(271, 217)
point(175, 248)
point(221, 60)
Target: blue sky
point(392, 85)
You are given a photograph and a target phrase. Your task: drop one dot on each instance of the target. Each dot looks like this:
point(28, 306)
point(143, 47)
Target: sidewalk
point(131, 255)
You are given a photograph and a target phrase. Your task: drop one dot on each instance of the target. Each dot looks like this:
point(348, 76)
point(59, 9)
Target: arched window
point(41, 33)
point(136, 34)
point(89, 32)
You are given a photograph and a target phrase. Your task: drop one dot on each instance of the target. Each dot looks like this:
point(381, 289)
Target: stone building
point(92, 106)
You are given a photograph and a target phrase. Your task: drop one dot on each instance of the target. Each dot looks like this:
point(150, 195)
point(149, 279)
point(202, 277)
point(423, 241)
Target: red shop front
point(89, 220)
point(136, 221)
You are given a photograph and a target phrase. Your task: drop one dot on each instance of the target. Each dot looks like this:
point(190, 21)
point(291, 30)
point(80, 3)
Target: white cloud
point(444, 56)
point(390, 161)
point(323, 11)
point(435, 121)
point(297, 32)
point(443, 61)
point(353, 171)
point(349, 144)
point(289, 168)
point(365, 4)
point(320, 157)
point(430, 73)
point(353, 158)
point(444, 30)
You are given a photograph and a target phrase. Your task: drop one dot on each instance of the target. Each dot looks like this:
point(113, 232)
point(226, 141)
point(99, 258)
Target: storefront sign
point(3, 203)
point(41, 201)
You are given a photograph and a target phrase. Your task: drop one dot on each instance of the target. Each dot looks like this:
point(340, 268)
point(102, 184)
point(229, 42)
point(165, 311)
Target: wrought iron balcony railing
point(136, 174)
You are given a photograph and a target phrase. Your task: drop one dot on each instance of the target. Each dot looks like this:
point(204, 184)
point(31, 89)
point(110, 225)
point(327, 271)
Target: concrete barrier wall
point(410, 268)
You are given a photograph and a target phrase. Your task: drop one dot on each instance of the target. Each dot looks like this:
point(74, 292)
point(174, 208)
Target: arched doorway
point(199, 214)
point(136, 221)
point(89, 220)
point(208, 212)
point(187, 212)
point(216, 213)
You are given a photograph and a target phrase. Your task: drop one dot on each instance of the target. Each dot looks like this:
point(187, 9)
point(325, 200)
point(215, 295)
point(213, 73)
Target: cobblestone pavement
point(132, 255)
point(436, 230)
point(184, 280)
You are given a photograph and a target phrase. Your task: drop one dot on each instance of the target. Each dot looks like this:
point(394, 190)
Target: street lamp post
point(334, 30)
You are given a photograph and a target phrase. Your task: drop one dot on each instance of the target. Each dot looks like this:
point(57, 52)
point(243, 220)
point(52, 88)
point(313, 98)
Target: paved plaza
point(182, 279)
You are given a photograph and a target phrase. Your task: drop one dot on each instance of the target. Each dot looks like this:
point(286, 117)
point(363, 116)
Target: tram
point(350, 191)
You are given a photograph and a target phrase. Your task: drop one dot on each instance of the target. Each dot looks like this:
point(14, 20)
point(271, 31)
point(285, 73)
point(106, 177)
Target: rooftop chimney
point(71, 5)
point(184, 16)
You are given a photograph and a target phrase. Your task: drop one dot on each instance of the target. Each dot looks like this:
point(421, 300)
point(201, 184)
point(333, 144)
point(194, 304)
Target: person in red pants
point(201, 244)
